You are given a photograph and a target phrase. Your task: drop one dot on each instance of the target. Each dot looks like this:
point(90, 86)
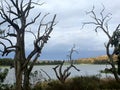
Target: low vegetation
point(6, 62)
point(80, 83)
point(3, 74)
point(76, 83)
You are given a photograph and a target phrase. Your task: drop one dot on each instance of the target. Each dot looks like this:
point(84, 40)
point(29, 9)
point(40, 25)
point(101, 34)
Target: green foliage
point(55, 62)
point(3, 75)
point(6, 62)
point(6, 87)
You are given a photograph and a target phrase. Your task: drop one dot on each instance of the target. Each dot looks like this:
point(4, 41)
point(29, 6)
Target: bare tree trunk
point(26, 80)
point(18, 74)
point(114, 72)
point(26, 83)
point(16, 27)
point(113, 67)
point(19, 60)
point(18, 80)
point(113, 42)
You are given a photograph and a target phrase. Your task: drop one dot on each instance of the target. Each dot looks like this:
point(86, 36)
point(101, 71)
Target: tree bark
point(113, 68)
point(18, 80)
point(115, 73)
point(26, 82)
point(16, 27)
point(19, 60)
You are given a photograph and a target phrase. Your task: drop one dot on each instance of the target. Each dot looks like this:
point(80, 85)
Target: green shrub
point(3, 75)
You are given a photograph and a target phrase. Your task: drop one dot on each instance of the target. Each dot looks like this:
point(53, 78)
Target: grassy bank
point(80, 83)
point(76, 83)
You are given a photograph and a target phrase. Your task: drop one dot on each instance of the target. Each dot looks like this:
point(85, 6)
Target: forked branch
point(61, 74)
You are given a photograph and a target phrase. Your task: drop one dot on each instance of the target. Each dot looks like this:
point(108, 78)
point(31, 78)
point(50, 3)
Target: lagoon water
point(85, 70)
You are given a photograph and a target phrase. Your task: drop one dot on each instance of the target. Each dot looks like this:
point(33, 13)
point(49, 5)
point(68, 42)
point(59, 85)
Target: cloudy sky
point(70, 16)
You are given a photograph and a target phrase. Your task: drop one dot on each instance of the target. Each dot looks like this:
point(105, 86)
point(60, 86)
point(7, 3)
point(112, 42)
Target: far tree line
point(10, 62)
point(98, 60)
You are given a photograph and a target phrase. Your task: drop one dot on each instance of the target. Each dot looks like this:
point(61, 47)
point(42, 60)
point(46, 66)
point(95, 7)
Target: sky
point(71, 14)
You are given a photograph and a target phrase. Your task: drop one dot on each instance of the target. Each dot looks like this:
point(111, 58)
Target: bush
point(3, 75)
point(77, 83)
point(6, 87)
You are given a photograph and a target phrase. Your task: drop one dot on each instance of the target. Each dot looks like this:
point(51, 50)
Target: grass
point(4, 66)
point(77, 83)
point(80, 83)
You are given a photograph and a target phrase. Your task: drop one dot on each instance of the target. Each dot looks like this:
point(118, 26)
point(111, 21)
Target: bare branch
point(33, 62)
point(102, 23)
point(11, 35)
point(2, 22)
point(75, 68)
point(33, 21)
point(12, 13)
point(37, 48)
point(15, 4)
point(46, 74)
point(38, 3)
point(21, 5)
point(7, 40)
point(32, 33)
point(7, 19)
point(28, 8)
point(72, 50)
point(117, 28)
point(3, 45)
point(55, 69)
point(63, 75)
point(41, 24)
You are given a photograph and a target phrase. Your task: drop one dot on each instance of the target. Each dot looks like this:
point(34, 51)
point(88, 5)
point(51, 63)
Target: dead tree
point(16, 23)
point(61, 74)
point(71, 54)
point(101, 23)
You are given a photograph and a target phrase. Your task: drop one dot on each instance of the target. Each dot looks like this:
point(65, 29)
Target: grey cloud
point(70, 16)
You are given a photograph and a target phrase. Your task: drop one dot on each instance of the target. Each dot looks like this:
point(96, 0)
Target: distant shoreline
point(94, 60)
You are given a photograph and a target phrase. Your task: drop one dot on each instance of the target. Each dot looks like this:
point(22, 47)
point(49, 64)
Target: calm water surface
point(85, 69)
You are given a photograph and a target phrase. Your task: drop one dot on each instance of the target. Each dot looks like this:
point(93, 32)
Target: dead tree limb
point(61, 74)
point(101, 23)
point(15, 15)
